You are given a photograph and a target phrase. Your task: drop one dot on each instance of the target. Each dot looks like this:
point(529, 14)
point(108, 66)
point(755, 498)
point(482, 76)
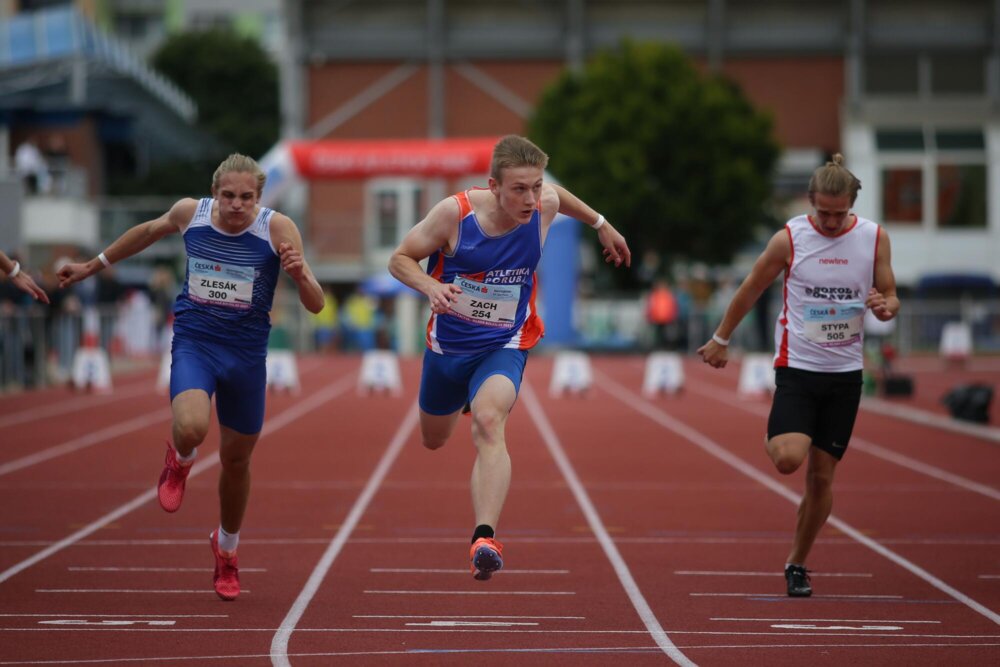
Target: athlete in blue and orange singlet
point(483, 247)
point(235, 250)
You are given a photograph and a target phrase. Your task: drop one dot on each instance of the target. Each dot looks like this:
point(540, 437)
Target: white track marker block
point(756, 375)
point(91, 369)
point(379, 373)
point(664, 373)
point(163, 377)
point(282, 371)
point(956, 341)
point(570, 373)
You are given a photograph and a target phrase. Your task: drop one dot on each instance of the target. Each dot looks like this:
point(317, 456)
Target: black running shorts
point(821, 405)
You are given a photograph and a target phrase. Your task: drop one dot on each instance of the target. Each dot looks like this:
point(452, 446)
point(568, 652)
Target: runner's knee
point(785, 454)
point(190, 431)
point(487, 425)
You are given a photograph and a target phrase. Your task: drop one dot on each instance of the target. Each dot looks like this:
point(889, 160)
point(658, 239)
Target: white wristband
point(720, 340)
point(104, 261)
point(16, 270)
point(600, 222)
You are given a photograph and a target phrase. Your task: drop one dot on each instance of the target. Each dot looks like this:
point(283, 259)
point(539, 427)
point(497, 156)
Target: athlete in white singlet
point(837, 266)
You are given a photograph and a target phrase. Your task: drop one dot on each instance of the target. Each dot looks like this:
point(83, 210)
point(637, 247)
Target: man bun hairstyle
point(834, 179)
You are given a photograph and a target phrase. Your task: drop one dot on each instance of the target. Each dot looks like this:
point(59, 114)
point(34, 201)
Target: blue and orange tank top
point(229, 283)
point(497, 275)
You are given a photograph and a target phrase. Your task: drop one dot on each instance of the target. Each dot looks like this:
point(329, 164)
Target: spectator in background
point(325, 334)
point(56, 152)
point(661, 315)
point(30, 165)
point(358, 316)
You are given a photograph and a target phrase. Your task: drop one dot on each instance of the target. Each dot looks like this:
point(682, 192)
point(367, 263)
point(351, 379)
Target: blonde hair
point(513, 151)
point(240, 164)
point(834, 179)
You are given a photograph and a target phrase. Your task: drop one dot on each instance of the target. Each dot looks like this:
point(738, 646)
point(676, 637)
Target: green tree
point(679, 161)
point(232, 80)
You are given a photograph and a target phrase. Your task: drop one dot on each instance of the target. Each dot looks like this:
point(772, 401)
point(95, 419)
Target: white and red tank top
point(497, 275)
point(820, 327)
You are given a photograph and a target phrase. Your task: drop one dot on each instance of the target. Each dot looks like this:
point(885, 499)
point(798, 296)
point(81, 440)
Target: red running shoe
point(227, 571)
point(486, 556)
point(171, 487)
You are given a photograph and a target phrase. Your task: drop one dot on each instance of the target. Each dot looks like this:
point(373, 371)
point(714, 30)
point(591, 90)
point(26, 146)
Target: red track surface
point(636, 532)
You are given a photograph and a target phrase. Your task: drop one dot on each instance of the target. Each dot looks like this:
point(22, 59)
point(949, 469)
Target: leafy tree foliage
point(678, 160)
point(232, 80)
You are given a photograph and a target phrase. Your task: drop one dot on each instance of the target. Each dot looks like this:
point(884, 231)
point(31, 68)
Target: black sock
point(482, 531)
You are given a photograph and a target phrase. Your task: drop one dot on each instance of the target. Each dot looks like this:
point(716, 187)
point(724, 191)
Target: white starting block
point(163, 377)
point(282, 371)
point(379, 373)
point(570, 373)
point(664, 373)
point(956, 341)
point(756, 375)
point(91, 370)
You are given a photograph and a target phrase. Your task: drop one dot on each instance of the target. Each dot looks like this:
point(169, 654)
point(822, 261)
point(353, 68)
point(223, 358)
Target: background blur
point(694, 125)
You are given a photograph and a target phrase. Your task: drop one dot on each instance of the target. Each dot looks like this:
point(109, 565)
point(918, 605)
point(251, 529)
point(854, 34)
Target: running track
point(636, 532)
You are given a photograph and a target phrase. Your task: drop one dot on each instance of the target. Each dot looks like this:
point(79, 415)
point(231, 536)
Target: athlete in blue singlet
point(235, 249)
point(484, 246)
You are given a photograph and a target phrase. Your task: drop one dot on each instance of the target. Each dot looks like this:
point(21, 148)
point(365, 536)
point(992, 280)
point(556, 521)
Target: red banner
point(392, 157)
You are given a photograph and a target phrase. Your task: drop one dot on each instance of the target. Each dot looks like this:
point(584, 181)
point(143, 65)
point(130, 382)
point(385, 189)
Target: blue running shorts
point(236, 375)
point(448, 382)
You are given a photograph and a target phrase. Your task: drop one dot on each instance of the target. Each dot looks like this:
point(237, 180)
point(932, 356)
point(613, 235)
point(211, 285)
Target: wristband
point(16, 270)
point(720, 340)
point(104, 261)
point(600, 222)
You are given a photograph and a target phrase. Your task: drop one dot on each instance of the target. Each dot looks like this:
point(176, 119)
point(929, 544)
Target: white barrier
point(379, 373)
point(91, 370)
point(756, 375)
point(571, 373)
point(664, 373)
point(956, 341)
point(282, 371)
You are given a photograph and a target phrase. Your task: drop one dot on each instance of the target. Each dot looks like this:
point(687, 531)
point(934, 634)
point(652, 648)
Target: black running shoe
point(797, 578)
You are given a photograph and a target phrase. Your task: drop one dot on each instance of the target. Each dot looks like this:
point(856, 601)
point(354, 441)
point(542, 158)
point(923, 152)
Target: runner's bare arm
point(882, 297)
point(133, 241)
point(768, 266)
point(285, 237)
point(615, 247)
point(437, 231)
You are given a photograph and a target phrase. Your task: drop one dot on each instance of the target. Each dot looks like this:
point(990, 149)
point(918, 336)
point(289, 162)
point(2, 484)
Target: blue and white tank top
point(497, 275)
point(230, 280)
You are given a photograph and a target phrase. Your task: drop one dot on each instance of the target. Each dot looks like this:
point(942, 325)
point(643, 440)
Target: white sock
point(186, 460)
point(228, 541)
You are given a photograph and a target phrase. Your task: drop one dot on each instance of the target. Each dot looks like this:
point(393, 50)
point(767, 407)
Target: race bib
point(486, 305)
point(218, 284)
point(834, 324)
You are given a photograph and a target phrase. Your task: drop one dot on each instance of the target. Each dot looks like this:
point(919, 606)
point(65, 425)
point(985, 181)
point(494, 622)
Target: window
point(934, 176)
point(902, 195)
point(386, 216)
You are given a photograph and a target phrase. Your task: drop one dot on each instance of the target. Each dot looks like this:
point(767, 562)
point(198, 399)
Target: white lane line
point(199, 591)
point(417, 570)
point(782, 595)
point(558, 618)
point(60, 615)
point(817, 620)
point(989, 576)
point(426, 592)
point(768, 574)
point(278, 422)
point(279, 642)
point(84, 441)
point(61, 407)
point(708, 445)
point(157, 569)
point(473, 624)
point(866, 446)
point(925, 418)
point(600, 531)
